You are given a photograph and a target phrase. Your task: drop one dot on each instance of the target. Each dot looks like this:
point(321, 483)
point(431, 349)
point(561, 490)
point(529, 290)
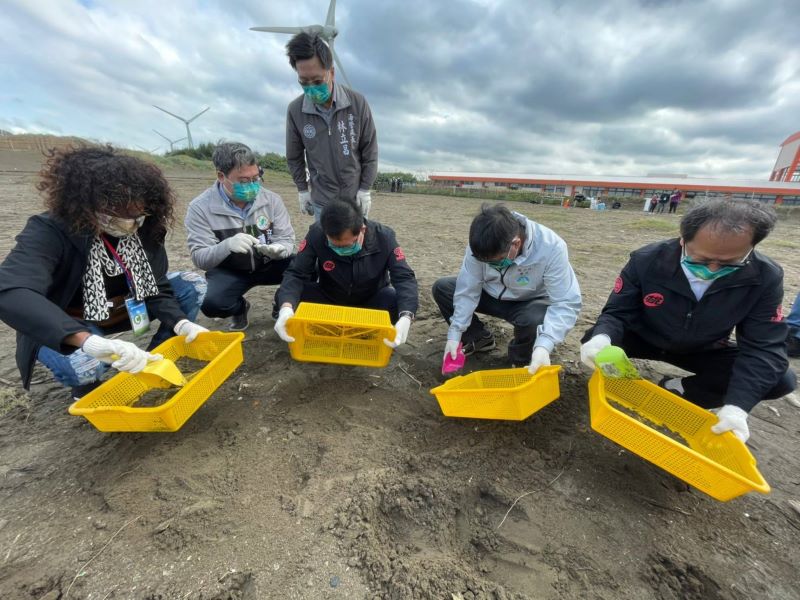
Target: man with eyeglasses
point(330, 134)
point(239, 233)
point(679, 300)
point(517, 270)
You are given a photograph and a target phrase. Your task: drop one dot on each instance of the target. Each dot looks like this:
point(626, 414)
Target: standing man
point(239, 233)
point(519, 271)
point(678, 301)
point(330, 133)
point(674, 200)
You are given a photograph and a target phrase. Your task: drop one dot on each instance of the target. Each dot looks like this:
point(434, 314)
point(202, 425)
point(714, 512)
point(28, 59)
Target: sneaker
point(482, 344)
point(793, 343)
point(239, 322)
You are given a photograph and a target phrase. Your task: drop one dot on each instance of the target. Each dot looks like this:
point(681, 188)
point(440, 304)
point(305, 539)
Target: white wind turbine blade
point(330, 20)
point(198, 114)
point(279, 29)
point(163, 136)
point(169, 113)
point(339, 67)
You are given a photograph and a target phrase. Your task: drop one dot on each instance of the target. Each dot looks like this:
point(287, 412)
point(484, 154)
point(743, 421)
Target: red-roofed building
point(787, 167)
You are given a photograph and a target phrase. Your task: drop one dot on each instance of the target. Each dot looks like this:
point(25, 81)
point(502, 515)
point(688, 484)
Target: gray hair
point(730, 216)
point(232, 155)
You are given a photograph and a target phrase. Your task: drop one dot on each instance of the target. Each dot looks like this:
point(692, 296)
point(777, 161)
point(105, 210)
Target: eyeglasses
point(254, 179)
point(705, 263)
point(316, 81)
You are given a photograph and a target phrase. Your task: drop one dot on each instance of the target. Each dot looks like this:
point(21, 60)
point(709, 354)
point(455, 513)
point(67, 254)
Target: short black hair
point(339, 216)
point(729, 216)
point(492, 231)
point(228, 156)
point(306, 45)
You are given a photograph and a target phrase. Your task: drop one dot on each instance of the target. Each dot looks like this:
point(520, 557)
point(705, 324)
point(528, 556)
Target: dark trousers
point(673, 207)
point(712, 370)
point(661, 206)
point(226, 287)
point(384, 299)
point(524, 315)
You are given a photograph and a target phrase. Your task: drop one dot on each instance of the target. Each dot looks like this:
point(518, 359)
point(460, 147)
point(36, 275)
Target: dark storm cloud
point(558, 87)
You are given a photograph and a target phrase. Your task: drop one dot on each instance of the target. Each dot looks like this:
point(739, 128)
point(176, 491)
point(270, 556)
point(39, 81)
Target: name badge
point(137, 313)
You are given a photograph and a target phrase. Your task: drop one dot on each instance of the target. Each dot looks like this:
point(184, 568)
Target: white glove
point(590, 349)
point(364, 201)
point(539, 358)
point(306, 206)
point(451, 348)
point(188, 329)
point(402, 326)
point(240, 243)
point(275, 251)
point(123, 356)
point(284, 315)
point(732, 418)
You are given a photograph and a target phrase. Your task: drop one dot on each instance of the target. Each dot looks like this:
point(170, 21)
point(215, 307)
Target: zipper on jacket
point(503, 281)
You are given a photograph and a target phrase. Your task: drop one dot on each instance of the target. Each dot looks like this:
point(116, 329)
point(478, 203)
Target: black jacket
point(653, 299)
point(352, 280)
point(43, 273)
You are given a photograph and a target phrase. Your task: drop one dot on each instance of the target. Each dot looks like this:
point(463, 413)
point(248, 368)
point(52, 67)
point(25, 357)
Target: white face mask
point(119, 227)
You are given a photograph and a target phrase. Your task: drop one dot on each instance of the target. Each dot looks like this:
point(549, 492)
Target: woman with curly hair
point(95, 264)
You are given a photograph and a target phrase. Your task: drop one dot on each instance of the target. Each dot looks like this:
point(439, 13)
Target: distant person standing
point(653, 203)
point(394, 185)
point(662, 202)
point(399, 185)
point(329, 131)
point(674, 200)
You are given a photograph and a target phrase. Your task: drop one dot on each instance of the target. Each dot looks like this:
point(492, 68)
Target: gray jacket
point(541, 270)
point(210, 220)
point(342, 157)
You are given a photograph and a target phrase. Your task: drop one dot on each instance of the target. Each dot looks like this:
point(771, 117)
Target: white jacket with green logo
point(541, 270)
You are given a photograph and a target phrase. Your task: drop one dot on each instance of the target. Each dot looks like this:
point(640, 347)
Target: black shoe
point(79, 391)
point(793, 343)
point(482, 344)
point(239, 322)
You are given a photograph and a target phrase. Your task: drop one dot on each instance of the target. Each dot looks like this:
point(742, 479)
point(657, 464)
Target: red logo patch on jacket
point(399, 254)
point(618, 285)
point(778, 314)
point(302, 245)
point(329, 265)
point(653, 300)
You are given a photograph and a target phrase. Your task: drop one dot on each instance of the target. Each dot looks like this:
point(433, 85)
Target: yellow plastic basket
point(718, 465)
point(109, 406)
point(340, 334)
point(509, 394)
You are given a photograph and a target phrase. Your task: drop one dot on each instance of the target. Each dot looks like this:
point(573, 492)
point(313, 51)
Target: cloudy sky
point(574, 87)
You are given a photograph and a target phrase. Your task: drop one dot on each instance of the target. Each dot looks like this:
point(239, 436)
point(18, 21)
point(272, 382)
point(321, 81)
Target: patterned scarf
point(132, 253)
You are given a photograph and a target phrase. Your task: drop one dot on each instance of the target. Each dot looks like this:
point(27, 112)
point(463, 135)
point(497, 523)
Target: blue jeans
point(793, 320)
point(78, 368)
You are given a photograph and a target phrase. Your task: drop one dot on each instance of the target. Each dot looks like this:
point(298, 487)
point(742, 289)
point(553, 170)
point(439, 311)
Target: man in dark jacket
point(678, 301)
point(355, 260)
point(330, 134)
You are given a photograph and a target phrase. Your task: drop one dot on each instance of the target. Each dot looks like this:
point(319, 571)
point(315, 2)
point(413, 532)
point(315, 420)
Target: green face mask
point(706, 274)
point(318, 94)
point(701, 270)
point(500, 265)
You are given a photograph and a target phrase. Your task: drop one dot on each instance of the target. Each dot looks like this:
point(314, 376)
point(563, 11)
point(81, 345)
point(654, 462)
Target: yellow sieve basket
point(718, 465)
point(111, 406)
point(342, 335)
point(507, 394)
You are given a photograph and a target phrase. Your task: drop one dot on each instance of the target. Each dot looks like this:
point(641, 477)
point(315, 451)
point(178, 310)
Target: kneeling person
point(519, 271)
point(348, 260)
point(678, 301)
point(239, 233)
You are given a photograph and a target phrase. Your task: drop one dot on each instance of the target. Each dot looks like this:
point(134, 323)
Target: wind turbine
point(171, 142)
point(186, 121)
point(327, 32)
